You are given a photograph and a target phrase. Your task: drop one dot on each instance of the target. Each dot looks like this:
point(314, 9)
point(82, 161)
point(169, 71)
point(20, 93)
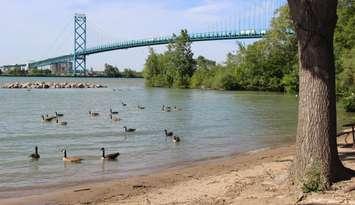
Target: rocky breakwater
point(51, 85)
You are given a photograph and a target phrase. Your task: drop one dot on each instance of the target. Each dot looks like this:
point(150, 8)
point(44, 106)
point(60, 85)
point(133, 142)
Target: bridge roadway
point(195, 37)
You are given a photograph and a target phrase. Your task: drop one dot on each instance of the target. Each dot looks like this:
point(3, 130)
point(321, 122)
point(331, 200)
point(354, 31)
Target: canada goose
point(93, 114)
point(124, 104)
point(177, 109)
point(129, 129)
point(168, 134)
point(59, 114)
point(112, 112)
point(176, 139)
point(114, 118)
point(62, 123)
point(48, 118)
point(70, 159)
point(112, 156)
point(35, 155)
point(166, 108)
point(141, 107)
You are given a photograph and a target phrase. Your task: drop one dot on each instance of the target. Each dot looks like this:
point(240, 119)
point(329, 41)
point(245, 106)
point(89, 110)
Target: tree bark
point(316, 147)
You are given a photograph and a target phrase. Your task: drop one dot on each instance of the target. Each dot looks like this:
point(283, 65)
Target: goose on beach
point(59, 114)
point(176, 139)
point(35, 155)
point(48, 118)
point(62, 122)
point(93, 114)
point(112, 156)
point(168, 134)
point(70, 159)
point(113, 112)
point(114, 118)
point(128, 129)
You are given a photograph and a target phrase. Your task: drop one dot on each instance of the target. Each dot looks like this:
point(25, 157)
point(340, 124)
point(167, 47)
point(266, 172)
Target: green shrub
point(349, 103)
point(314, 180)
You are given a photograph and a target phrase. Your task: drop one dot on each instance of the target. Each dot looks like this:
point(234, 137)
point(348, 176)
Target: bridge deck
point(211, 36)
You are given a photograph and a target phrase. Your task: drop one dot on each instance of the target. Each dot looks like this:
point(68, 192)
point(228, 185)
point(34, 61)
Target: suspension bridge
point(81, 51)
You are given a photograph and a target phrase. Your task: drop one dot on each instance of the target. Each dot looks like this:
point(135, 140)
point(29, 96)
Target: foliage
point(349, 103)
point(174, 68)
point(314, 180)
point(268, 64)
point(129, 73)
point(111, 71)
point(344, 44)
point(39, 72)
point(17, 72)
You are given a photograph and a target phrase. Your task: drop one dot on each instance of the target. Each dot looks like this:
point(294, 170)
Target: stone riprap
point(51, 85)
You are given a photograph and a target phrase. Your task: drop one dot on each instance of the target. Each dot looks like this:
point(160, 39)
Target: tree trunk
point(316, 149)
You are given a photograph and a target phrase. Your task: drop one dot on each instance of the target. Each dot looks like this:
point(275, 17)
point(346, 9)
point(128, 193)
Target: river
point(211, 124)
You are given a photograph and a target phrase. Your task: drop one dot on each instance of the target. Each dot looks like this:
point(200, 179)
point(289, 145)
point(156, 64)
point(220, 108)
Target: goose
point(124, 104)
point(141, 107)
point(70, 159)
point(62, 123)
point(59, 114)
point(112, 156)
point(112, 112)
point(47, 118)
point(93, 114)
point(129, 129)
point(166, 108)
point(114, 118)
point(168, 134)
point(177, 109)
point(35, 155)
point(176, 139)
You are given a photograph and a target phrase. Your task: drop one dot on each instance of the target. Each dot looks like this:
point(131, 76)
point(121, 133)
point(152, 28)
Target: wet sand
point(257, 177)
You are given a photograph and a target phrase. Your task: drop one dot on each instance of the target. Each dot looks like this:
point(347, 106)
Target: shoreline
point(11, 192)
point(259, 176)
point(45, 193)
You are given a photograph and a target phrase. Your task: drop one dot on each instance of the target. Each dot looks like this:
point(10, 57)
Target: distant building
point(7, 68)
point(61, 68)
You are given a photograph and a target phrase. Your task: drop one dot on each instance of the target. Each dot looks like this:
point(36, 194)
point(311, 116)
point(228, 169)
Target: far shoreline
point(69, 76)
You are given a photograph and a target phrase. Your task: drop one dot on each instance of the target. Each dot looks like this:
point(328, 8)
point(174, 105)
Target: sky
point(39, 29)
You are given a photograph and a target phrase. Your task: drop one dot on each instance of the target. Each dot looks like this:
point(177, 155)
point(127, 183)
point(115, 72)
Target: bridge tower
point(79, 43)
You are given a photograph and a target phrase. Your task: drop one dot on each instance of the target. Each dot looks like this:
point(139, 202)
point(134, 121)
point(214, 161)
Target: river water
point(211, 124)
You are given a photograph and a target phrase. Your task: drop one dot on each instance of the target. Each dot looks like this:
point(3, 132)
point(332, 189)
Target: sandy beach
point(256, 177)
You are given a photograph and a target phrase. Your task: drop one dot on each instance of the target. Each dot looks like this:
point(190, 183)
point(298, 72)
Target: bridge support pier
point(79, 64)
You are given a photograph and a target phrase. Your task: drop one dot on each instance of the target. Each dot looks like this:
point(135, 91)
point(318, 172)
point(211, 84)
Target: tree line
point(269, 64)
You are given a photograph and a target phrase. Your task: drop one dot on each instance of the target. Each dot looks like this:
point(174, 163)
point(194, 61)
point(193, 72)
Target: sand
point(257, 177)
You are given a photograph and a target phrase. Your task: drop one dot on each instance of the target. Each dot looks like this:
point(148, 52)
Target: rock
point(50, 85)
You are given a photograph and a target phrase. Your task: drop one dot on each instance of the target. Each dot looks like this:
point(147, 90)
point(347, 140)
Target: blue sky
point(37, 29)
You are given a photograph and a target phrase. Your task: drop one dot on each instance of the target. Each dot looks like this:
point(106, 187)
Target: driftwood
point(85, 189)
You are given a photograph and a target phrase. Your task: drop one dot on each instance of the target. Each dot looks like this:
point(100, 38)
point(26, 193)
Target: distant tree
point(39, 72)
point(181, 65)
point(155, 70)
point(17, 71)
point(111, 71)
